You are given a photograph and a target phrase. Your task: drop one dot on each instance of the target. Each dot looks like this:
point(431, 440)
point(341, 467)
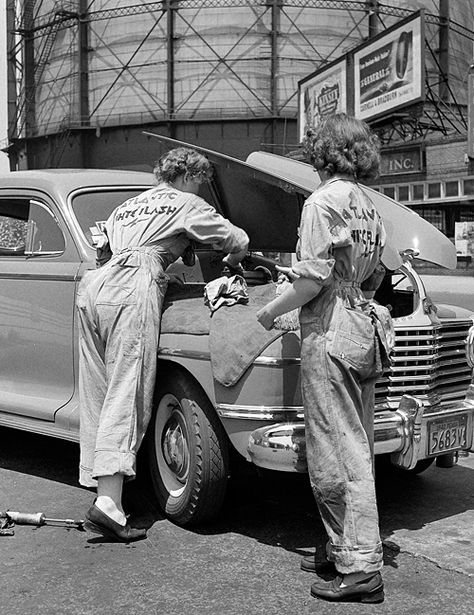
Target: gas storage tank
point(105, 63)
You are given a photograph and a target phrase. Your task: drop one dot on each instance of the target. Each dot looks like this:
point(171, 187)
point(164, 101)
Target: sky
point(4, 165)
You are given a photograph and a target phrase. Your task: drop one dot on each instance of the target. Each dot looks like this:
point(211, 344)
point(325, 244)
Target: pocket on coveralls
point(113, 294)
point(354, 339)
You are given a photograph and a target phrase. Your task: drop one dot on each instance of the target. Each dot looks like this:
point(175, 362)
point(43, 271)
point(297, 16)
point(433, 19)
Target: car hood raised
point(265, 194)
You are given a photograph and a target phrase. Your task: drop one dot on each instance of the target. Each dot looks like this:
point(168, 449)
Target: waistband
point(133, 256)
point(143, 249)
point(346, 284)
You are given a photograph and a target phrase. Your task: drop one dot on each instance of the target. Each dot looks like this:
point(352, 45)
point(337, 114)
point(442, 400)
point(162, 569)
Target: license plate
point(448, 434)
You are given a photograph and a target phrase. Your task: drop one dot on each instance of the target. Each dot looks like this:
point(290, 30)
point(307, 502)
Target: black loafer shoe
point(98, 522)
point(368, 591)
point(311, 564)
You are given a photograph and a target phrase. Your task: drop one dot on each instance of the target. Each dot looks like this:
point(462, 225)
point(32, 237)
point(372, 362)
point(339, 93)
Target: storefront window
point(469, 186)
point(418, 192)
point(403, 193)
point(437, 217)
point(466, 214)
point(452, 188)
point(434, 191)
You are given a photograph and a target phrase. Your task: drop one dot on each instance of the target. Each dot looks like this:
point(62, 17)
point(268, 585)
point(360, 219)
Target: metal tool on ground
point(6, 525)
point(39, 519)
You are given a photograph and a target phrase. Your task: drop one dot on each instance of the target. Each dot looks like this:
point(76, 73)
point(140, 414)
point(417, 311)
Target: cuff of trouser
point(108, 463)
point(85, 477)
point(367, 558)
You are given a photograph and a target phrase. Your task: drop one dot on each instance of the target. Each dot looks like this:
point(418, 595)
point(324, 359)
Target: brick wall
point(446, 158)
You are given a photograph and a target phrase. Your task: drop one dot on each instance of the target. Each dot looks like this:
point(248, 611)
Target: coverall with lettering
point(119, 307)
point(340, 244)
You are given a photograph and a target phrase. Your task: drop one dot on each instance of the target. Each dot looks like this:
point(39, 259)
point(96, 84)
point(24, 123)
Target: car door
point(38, 271)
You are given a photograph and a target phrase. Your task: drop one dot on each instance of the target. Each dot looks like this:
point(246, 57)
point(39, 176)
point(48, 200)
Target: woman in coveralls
point(341, 238)
point(119, 308)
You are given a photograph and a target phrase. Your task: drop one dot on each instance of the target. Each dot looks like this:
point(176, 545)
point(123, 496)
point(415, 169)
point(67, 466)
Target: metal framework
point(35, 26)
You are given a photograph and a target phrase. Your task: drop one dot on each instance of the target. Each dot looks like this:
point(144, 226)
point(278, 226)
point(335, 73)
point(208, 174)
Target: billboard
point(389, 72)
point(322, 94)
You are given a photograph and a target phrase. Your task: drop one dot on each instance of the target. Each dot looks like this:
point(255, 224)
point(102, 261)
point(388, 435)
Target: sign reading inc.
point(401, 162)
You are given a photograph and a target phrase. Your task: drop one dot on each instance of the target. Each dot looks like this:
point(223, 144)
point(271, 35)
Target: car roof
point(64, 181)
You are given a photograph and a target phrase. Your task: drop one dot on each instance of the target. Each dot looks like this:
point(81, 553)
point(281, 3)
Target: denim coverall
point(119, 308)
point(341, 238)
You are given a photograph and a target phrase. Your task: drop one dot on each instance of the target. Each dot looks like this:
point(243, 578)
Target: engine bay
point(397, 290)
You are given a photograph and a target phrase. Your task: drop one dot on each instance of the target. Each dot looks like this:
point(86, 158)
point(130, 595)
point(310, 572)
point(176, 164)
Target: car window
point(92, 208)
point(27, 227)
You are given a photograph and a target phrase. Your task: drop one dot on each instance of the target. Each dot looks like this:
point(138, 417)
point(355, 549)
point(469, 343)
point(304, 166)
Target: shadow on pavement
point(274, 508)
point(40, 456)
point(278, 509)
point(57, 460)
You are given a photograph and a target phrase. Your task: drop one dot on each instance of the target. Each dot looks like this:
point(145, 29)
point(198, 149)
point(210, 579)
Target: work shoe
point(368, 591)
point(311, 564)
point(98, 522)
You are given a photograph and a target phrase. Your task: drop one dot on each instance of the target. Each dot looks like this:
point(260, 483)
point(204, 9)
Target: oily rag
point(225, 291)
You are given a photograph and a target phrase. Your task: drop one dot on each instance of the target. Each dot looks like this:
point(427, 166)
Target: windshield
point(93, 208)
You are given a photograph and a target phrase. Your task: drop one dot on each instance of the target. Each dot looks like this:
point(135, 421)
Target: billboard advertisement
point(322, 94)
point(389, 72)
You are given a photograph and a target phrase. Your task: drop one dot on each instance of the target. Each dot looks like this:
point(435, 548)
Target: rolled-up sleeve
point(319, 233)
point(205, 225)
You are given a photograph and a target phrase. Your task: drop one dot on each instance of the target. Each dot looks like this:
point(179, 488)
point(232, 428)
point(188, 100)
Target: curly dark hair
point(345, 145)
point(181, 161)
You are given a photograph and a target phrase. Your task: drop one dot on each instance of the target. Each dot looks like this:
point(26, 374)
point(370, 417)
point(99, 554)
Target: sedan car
point(224, 383)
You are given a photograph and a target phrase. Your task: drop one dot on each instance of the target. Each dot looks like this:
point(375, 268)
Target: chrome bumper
point(402, 432)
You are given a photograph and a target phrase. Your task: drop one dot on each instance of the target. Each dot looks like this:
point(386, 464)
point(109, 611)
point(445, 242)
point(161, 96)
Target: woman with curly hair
point(119, 308)
point(341, 239)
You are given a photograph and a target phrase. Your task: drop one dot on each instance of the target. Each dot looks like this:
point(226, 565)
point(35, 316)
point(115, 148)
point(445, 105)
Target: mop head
point(291, 320)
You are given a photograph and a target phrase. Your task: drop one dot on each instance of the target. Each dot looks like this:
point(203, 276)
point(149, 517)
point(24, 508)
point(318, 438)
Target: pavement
point(245, 562)
point(440, 524)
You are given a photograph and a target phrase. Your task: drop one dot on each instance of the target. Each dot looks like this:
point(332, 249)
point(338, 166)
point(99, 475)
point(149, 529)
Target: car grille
point(427, 362)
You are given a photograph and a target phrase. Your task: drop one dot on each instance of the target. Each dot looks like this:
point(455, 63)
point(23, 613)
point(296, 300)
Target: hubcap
point(172, 445)
point(175, 446)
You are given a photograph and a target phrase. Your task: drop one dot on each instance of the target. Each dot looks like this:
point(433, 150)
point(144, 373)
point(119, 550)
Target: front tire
point(187, 451)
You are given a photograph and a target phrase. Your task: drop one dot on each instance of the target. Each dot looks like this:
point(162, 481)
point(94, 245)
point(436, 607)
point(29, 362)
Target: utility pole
point(275, 31)
point(12, 100)
point(373, 12)
point(444, 50)
point(83, 53)
point(170, 110)
point(29, 77)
